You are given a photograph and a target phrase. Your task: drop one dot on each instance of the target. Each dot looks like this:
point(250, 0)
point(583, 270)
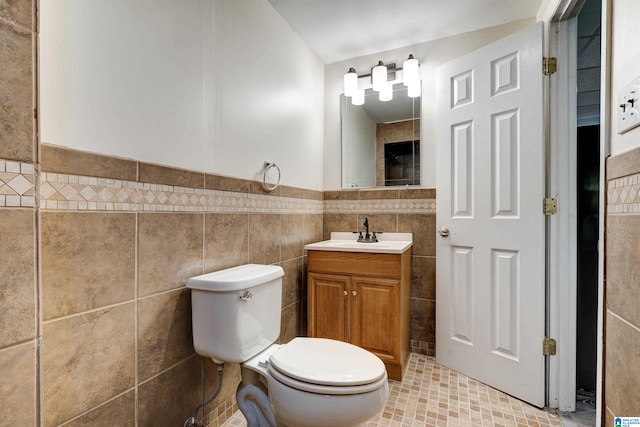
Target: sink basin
point(351, 244)
point(388, 243)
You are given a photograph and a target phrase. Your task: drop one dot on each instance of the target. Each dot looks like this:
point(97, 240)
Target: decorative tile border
point(75, 192)
point(17, 184)
point(623, 195)
point(408, 206)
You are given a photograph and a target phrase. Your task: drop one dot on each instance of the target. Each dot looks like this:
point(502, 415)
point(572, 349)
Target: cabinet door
point(329, 311)
point(376, 316)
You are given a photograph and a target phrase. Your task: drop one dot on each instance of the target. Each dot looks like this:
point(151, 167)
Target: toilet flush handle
point(246, 296)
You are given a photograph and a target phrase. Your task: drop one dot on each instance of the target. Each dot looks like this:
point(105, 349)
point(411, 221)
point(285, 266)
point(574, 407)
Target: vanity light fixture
point(411, 76)
point(380, 82)
point(414, 90)
point(410, 71)
point(386, 92)
point(350, 82)
point(358, 97)
point(381, 75)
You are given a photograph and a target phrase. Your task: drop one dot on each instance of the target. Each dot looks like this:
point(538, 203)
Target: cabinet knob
point(354, 293)
point(346, 293)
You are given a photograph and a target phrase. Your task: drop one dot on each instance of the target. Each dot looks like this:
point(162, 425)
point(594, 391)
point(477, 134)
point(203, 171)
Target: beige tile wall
point(116, 325)
point(393, 210)
point(18, 285)
point(18, 69)
point(622, 318)
point(116, 254)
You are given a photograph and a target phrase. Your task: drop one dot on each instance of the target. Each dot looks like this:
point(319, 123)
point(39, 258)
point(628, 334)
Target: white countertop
point(388, 243)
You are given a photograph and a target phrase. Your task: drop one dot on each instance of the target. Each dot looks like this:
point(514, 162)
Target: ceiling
point(337, 30)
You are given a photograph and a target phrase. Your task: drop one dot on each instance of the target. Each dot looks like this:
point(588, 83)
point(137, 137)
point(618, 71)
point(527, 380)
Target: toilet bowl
point(308, 382)
point(315, 382)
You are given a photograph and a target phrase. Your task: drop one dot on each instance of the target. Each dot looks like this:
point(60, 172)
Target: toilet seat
point(327, 366)
point(325, 389)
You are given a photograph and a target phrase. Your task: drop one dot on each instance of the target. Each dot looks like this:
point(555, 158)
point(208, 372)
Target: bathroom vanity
point(360, 293)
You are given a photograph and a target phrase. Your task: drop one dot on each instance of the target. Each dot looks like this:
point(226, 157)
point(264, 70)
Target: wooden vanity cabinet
point(362, 298)
point(329, 306)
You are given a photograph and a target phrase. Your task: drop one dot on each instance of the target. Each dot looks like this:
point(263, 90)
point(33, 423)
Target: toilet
point(308, 382)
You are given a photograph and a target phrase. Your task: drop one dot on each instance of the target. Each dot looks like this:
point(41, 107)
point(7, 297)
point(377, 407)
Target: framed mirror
point(381, 140)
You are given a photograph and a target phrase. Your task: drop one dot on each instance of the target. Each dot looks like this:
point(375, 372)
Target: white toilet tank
point(236, 312)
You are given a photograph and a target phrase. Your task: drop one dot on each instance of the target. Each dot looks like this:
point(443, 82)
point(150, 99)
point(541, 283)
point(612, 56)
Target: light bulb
point(358, 97)
point(379, 76)
point(350, 82)
point(414, 90)
point(410, 71)
point(386, 93)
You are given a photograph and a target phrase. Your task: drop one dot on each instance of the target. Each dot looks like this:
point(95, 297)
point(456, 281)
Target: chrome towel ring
point(267, 166)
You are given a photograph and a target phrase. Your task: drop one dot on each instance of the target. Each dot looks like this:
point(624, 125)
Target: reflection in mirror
point(381, 140)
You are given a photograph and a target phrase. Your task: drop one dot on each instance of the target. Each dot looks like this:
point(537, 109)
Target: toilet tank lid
point(236, 278)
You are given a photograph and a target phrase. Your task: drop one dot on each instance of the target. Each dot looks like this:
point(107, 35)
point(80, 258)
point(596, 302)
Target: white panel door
point(490, 179)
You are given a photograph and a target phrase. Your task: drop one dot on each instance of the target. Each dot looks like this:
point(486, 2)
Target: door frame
point(560, 111)
point(562, 232)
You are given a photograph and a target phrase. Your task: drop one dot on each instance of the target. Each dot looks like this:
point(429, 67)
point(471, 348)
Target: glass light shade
point(379, 76)
point(350, 82)
point(358, 97)
point(410, 71)
point(414, 90)
point(386, 93)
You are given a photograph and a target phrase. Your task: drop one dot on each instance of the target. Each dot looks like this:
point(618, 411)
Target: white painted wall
point(360, 130)
point(217, 86)
point(625, 64)
point(125, 78)
point(272, 95)
point(431, 55)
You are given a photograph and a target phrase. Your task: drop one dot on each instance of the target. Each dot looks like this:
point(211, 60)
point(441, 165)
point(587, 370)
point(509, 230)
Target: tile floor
point(432, 395)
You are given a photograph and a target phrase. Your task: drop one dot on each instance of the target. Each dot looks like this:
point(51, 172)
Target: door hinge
point(548, 347)
point(549, 65)
point(550, 206)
